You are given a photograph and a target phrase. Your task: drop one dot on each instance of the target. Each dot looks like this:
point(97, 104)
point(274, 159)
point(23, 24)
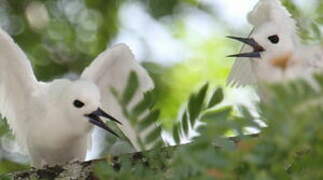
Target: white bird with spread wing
point(53, 120)
point(274, 52)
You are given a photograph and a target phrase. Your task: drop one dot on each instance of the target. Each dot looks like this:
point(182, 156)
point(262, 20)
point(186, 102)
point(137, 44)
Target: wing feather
point(242, 73)
point(111, 69)
point(17, 83)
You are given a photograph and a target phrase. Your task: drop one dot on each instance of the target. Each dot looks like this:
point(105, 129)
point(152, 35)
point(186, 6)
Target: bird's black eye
point(273, 39)
point(78, 103)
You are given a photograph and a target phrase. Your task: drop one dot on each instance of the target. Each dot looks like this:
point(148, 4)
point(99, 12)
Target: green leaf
point(159, 144)
point(185, 123)
point(319, 20)
point(195, 104)
point(218, 122)
point(151, 118)
point(319, 79)
point(202, 93)
point(114, 92)
point(222, 114)
point(5, 177)
point(153, 135)
point(191, 103)
point(131, 88)
point(216, 98)
point(316, 30)
point(225, 143)
point(7, 166)
point(146, 103)
point(176, 134)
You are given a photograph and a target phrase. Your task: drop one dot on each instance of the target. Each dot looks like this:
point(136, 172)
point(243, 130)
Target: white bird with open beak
point(53, 121)
point(273, 51)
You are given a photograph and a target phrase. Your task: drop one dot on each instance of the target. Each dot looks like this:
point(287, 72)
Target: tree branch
point(86, 170)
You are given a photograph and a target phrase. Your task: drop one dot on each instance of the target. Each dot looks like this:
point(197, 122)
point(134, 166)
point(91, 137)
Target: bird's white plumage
point(270, 17)
point(314, 55)
point(53, 120)
point(271, 10)
point(241, 72)
point(111, 69)
point(17, 84)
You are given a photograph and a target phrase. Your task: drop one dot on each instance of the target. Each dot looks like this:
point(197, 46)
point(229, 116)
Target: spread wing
point(111, 69)
point(17, 83)
point(242, 73)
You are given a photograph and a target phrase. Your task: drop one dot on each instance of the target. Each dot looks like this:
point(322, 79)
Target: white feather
point(314, 56)
point(265, 12)
point(242, 73)
point(270, 10)
point(17, 84)
point(111, 69)
point(45, 117)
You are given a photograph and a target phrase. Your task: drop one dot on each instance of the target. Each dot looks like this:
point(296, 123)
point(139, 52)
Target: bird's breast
point(53, 129)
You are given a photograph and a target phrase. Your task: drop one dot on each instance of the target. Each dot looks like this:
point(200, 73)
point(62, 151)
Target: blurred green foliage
point(289, 147)
point(68, 34)
point(143, 116)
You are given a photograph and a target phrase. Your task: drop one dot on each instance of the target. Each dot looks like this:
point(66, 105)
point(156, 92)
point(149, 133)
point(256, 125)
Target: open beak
point(94, 118)
point(251, 42)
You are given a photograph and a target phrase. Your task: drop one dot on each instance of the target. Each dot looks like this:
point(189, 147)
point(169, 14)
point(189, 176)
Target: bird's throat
point(281, 62)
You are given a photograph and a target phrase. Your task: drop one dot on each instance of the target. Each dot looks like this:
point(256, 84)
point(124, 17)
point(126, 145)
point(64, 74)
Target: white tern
point(273, 51)
point(53, 120)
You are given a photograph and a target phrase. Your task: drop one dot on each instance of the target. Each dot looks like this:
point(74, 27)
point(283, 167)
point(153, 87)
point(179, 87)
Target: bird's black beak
point(251, 42)
point(94, 118)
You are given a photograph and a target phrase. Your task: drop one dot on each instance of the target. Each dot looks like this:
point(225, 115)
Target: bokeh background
point(181, 43)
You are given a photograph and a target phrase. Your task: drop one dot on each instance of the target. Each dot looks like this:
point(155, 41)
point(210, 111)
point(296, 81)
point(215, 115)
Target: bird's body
point(278, 54)
point(53, 121)
point(302, 63)
point(58, 136)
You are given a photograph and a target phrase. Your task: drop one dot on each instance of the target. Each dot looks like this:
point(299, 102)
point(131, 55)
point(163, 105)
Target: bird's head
point(83, 99)
point(274, 37)
point(270, 44)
